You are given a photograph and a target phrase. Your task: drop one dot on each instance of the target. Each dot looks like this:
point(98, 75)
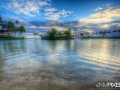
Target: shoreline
point(51, 40)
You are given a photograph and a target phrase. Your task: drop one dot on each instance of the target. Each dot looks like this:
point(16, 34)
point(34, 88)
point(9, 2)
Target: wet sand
point(24, 79)
point(47, 85)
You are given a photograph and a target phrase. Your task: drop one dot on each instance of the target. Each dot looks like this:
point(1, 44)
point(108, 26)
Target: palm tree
point(82, 34)
point(10, 26)
point(114, 33)
point(104, 33)
point(52, 34)
point(101, 33)
point(1, 20)
point(86, 34)
point(60, 34)
point(17, 22)
point(93, 33)
point(21, 30)
point(118, 33)
point(67, 33)
point(3, 25)
point(108, 33)
point(14, 30)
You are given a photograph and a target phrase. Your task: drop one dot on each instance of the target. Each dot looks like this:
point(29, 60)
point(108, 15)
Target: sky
point(78, 15)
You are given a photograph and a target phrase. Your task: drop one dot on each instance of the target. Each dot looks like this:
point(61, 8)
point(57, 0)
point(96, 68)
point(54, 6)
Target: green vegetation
point(54, 34)
point(9, 26)
point(10, 37)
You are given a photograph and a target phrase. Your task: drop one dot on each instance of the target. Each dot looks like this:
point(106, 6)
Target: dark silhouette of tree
point(118, 33)
point(67, 33)
point(60, 34)
point(10, 26)
point(114, 33)
point(52, 34)
point(109, 33)
point(15, 30)
point(1, 20)
point(21, 29)
point(104, 33)
point(17, 22)
point(82, 34)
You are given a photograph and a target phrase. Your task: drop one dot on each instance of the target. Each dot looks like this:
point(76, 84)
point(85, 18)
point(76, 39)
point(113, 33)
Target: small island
point(11, 30)
point(54, 34)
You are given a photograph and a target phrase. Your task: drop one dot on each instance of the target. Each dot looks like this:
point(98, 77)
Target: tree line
point(11, 27)
point(101, 34)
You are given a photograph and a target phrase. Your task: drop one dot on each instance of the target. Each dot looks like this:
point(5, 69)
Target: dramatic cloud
point(40, 15)
point(27, 7)
point(102, 20)
point(35, 8)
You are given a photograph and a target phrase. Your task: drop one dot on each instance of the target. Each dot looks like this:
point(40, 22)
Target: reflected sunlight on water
point(79, 61)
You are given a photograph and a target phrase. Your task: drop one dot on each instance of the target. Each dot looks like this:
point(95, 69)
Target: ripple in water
point(35, 63)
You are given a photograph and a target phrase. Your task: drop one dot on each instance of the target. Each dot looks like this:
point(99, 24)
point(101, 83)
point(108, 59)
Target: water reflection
point(76, 62)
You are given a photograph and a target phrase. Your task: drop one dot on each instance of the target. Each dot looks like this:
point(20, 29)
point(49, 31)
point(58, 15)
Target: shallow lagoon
point(34, 64)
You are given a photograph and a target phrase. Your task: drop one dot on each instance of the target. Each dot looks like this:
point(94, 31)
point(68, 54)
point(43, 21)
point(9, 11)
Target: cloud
point(105, 16)
point(26, 7)
point(105, 26)
point(35, 8)
point(51, 15)
point(50, 9)
point(104, 20)
point(98, 9)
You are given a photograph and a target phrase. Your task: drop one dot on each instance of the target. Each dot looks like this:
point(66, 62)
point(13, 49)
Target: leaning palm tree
point(10, 26)
point(22, 29)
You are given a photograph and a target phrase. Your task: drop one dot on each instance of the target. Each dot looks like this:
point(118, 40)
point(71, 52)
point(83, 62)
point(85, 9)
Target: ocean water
point(29, 62)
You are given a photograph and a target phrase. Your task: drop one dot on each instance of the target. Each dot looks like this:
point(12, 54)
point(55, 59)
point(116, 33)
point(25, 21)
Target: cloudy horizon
point(78, 15)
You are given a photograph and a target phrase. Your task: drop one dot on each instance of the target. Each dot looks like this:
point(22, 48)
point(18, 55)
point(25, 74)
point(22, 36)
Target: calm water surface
point(67, 62)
